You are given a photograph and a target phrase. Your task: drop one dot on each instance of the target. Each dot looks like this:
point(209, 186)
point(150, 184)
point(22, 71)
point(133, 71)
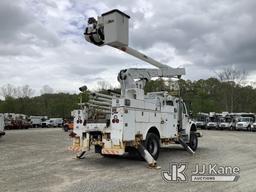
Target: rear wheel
point(152, 144)
point(65, 128)
point(193, 142)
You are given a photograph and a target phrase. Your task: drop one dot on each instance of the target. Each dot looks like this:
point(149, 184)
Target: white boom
point(111, 29)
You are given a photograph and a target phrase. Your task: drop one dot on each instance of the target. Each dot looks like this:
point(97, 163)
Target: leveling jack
point(148, 157)
point(185, 145)
point(80, 155)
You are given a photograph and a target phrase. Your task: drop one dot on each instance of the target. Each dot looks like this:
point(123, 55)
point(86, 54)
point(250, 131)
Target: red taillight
point(115, 119)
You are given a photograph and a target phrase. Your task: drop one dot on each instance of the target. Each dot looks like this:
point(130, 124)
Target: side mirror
point(190, 113)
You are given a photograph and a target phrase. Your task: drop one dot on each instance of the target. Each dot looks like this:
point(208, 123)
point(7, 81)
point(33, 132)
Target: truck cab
point(245, 123)
point(226, 122)
point(213, 121)
point(201, 120)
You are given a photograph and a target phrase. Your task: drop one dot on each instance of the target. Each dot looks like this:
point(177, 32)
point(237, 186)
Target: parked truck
point(212, 121)
point(38, 121)
point(16, 121)
point(245, 121)
point(2, 132)
point(132, 122)
point(201, 120)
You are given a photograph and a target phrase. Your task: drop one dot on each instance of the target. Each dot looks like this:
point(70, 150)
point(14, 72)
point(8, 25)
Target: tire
point(152, 144)
point(65, 128)
point(193, 141)
point(133, 153)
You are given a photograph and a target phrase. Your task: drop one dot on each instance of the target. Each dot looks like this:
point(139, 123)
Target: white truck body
point(2, 125)
point(132, 119)
point(158, 112)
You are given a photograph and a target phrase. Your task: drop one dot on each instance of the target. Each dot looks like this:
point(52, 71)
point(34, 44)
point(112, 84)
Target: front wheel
point(152, 144)
point(193, 142)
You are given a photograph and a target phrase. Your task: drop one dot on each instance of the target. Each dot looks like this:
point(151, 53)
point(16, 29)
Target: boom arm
point(112, 29)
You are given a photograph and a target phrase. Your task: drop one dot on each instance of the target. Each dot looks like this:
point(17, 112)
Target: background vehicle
point(213, 121)
point(244, 123)
point(36, 121)
point(16, 121)
point(226, 122)
point(2, 132)
point(201, 120)
point(55, 122)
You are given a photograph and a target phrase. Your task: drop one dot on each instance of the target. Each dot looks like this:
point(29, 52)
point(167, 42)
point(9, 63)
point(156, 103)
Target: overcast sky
point(41, 41)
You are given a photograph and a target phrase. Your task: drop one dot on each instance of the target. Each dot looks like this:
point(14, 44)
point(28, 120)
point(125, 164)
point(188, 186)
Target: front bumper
point(241, 127)
point(199, 134)
point(211, 127)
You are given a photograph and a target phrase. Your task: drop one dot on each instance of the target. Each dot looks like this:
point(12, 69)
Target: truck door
point(185, 117)
point(168, 120)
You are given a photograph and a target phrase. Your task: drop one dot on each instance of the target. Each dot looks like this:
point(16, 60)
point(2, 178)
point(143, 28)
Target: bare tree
point(103, 85)
point(46, 89)
point(16, 92)
point(8, 91)
point(232, 76)
point(26, 91)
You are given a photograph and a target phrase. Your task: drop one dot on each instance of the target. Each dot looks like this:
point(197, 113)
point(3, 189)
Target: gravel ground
point(38, 160)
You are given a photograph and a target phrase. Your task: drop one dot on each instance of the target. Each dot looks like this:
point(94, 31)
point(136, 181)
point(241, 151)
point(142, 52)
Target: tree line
point(226, 92)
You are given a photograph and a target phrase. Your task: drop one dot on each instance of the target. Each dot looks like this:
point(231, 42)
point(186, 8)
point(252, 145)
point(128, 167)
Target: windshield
point(200, 118)
point(212, 119)
point(244, 119)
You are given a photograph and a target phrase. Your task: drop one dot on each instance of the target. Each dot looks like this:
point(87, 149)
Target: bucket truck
point(132, 121)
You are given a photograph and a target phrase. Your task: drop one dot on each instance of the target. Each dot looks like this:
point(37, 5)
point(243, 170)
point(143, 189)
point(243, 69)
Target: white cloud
point(41, 42)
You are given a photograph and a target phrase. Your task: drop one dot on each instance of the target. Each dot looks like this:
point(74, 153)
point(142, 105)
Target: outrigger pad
point(148, 157)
